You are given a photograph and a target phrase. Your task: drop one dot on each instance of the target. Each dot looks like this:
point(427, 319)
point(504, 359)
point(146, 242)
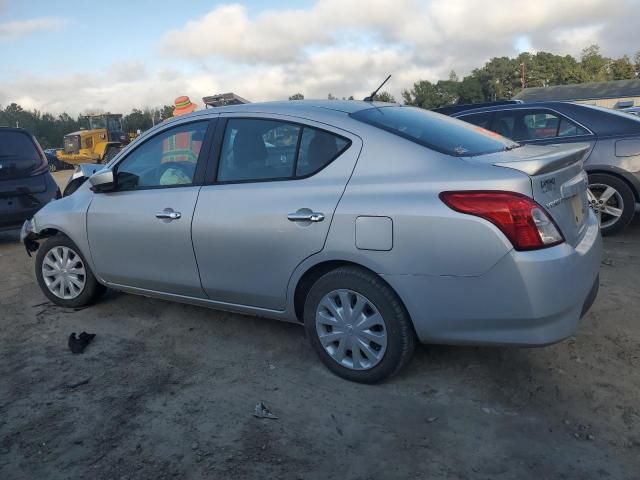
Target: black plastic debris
point(262, 411)
point(79, 343)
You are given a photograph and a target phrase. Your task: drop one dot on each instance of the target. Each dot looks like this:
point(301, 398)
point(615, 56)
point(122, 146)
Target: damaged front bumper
point(29, 235)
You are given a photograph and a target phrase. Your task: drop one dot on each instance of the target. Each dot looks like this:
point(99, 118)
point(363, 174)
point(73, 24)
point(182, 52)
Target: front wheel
point(358, 326)
point(64, 275)
point(612, 200)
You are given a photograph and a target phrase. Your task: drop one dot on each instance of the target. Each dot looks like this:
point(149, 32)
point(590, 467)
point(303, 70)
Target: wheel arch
point(626, 177)
point(317, 270)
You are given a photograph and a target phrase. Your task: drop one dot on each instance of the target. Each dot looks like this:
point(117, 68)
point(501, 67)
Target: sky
point(79, 55)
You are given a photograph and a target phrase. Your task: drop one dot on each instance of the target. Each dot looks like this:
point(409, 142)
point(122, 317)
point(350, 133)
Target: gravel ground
point(170, 391)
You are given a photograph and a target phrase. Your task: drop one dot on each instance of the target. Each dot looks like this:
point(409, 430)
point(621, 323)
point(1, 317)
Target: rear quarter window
point(432, 130)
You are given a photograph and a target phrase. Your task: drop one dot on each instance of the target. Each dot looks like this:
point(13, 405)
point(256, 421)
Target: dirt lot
point(171, 391)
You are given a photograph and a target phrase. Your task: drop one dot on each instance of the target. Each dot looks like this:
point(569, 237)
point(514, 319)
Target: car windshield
point(437, 132)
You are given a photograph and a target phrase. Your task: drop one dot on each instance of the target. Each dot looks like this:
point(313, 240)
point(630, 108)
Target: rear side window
point(317, 149)
point(262, 149)
point(523, 125)
point(432, 130)
point(18, 146)
point(480, 119)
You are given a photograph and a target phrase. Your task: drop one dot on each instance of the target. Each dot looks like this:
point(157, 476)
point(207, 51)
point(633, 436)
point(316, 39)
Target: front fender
point(67, 216)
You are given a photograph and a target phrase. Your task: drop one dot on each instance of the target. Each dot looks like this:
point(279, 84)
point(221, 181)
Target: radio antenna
point(373, 94)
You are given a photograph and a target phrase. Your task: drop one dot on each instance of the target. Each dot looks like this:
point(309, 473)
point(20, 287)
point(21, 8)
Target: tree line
point(50, 129)
point(499, 78)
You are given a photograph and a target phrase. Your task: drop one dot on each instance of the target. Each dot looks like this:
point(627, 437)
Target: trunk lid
point(558, 181)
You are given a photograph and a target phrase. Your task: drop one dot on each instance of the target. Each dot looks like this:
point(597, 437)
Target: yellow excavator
point(99, 144)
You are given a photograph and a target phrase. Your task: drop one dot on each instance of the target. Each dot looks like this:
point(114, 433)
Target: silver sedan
point(376, 226)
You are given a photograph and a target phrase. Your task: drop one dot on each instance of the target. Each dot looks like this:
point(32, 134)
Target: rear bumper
point(17, 206)
point(527, 299)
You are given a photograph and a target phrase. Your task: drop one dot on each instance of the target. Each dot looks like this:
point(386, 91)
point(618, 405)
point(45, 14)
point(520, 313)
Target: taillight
point(521, 219)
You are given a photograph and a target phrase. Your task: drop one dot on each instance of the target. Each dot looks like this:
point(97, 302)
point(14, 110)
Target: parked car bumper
point(527, 299)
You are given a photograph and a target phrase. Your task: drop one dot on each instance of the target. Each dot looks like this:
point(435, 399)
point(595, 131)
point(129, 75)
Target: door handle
point(168, 215)
point(304, 216)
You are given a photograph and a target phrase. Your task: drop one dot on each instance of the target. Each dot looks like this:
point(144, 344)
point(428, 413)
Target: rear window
point(17, 146)
point(437, 132)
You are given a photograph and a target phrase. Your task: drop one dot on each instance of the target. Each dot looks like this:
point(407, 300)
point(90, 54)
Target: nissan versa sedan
point(375, 225)
point(613, 160)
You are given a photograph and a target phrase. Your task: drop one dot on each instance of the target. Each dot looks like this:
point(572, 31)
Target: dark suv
point(25, 182)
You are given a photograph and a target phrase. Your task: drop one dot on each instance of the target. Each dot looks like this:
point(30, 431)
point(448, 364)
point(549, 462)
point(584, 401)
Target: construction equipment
point(224, 99)
point(99, 144)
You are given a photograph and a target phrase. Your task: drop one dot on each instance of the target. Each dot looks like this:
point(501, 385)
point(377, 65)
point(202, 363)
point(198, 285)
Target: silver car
point(377, 226)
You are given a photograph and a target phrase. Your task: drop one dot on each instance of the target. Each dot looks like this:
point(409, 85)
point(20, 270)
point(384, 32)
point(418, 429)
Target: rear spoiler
point(558, 157)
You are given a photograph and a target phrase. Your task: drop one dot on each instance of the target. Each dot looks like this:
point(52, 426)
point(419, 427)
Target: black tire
point(92, 288)
point(53, 167)
point(401, 338)
point(628, 199)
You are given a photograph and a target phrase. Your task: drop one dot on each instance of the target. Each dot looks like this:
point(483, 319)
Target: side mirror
point(102, 181)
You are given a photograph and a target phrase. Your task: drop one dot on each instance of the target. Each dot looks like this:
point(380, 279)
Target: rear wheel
point(358, 326)
point(612, 200)
point(64, 275)
point(53, 167)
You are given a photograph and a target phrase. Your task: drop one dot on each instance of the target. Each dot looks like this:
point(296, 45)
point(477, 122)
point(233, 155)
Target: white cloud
point(343, 47)
point(20, 28)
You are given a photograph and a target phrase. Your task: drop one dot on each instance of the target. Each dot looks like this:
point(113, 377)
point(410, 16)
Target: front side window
point(432, 130)
point(261, 149)
point(166, 160)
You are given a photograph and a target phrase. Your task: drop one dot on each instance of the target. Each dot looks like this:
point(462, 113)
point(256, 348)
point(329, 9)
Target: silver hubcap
point(351, 329)
point(606, 202)
point(63, 273)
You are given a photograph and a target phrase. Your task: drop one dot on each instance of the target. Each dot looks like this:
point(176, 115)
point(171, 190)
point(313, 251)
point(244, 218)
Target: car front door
point(140, 233)
point(269, 207)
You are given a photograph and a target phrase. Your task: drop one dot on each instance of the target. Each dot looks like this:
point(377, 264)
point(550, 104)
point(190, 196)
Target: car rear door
point(140, 233)
point(268, 205)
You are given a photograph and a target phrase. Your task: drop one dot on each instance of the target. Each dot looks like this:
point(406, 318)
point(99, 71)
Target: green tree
point(166, 112)
point(296, 96)
point(425, 94)
point(594, 65)
point(137, 120)
point(622, 69)
point(470, 90)
point(383, 97)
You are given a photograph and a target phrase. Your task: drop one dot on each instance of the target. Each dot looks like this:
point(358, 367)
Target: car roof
point(601, 121)
point(14, 129)
point(344, 106)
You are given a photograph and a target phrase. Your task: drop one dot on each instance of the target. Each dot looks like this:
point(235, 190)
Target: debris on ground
point(78, 384)
point(78, 344)
point(261, 411)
